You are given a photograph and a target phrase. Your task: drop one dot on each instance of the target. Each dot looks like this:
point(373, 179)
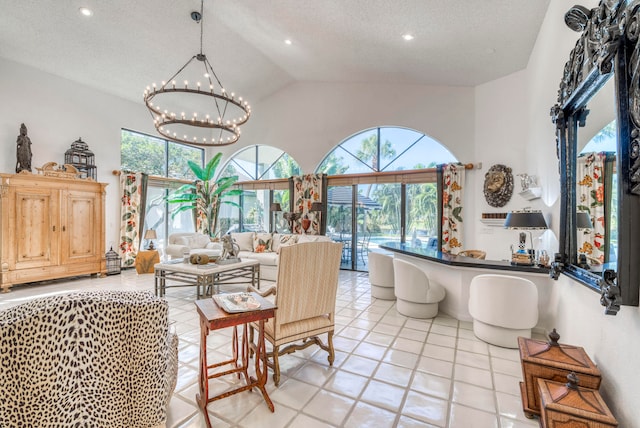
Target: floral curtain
point(133, 188)
point(593, 194)
point(452, 197)
point(307, 189)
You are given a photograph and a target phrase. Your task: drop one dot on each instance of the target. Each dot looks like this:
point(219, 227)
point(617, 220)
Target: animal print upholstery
point(91, 359)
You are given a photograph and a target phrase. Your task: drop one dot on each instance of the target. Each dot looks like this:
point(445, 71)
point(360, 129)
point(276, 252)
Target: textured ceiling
point(126, 45)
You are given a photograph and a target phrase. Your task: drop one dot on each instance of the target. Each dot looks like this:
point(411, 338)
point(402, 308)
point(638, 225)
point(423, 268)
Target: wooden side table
point(213, 317)
point(146, 260)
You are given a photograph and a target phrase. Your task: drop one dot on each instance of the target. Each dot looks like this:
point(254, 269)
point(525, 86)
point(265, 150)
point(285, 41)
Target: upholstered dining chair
point(417, 296)
point(503, 307)
point(100, 359)
point(381, 276)
point(305, 296)
point(474, 254)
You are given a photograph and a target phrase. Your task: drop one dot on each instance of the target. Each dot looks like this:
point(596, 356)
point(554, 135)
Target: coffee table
point(207, 278)
point(212, 317)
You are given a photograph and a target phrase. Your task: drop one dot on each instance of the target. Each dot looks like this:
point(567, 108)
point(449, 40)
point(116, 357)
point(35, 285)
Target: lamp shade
point(150, 234)
point(583, 220)
point(276, 207)
point(525, 220)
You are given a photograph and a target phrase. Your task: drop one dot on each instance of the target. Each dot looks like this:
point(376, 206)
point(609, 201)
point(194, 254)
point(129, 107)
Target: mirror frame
point(608, 48)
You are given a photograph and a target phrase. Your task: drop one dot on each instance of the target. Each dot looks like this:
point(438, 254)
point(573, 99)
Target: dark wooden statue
point(23, 151)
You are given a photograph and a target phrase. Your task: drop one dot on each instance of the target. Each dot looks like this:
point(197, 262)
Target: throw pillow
point(262, 242)
point(285, 241)
point(201, 240)
point(183, 240)
point(244, 240)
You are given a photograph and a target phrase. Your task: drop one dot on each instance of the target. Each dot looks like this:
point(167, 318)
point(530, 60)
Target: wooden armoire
point(50, 227)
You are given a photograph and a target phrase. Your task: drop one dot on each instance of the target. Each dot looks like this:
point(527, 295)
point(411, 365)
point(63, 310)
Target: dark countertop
point(449, 259)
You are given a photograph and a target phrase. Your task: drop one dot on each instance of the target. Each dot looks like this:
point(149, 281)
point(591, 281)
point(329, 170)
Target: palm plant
point(205, 195)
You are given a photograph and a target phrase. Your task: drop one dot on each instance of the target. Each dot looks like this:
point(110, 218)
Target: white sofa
point(193, 243)
point(265, 247)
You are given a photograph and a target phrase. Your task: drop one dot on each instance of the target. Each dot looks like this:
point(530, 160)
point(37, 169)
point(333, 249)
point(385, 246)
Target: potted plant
point(205, 195)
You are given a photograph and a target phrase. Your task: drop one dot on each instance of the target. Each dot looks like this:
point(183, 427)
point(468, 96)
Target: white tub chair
point(417, 297)
point(381, 276)
point(503, 307)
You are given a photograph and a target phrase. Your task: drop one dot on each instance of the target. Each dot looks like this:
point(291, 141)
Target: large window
point(377, 206)
point(166, 164)
point(251, 164)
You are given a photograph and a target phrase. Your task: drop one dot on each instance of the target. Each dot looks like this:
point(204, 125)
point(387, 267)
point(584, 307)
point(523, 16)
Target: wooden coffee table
point(207, 278)
point(212, 317)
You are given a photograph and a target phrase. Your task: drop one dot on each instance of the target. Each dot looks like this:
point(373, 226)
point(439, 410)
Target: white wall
point(611, 341)
point(57, 112)
point(308, 119)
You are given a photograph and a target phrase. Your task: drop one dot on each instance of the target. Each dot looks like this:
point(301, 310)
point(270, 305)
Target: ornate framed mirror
point(606, 58)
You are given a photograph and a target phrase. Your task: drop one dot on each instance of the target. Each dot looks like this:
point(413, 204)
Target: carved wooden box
point(567, 405)
point(553, 361)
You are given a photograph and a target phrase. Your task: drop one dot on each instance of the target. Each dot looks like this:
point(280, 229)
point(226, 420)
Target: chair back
point(110, 349)
point(381, 269)
point(307, 281)
point(411, 282)
point(504, 299)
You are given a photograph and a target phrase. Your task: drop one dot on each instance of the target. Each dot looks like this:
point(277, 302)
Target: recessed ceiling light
point(288, 42)
point(85, 11)
point(407, 37)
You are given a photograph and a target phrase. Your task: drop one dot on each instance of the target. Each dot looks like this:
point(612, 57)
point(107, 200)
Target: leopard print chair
point(91, 359)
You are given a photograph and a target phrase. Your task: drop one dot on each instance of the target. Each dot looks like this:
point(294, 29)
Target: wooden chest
point(553, 361)
point(567, 405)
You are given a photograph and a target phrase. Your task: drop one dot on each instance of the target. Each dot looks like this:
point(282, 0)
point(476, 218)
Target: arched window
point(260, 163)
point(368, 204)
point(252, 164)
point(385, 149)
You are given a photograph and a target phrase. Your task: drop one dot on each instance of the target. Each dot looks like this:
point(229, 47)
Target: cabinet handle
point(54, 228)
point(64, 229)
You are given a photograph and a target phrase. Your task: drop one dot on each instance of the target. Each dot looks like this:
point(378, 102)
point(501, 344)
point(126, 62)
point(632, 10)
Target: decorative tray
point(237, 302)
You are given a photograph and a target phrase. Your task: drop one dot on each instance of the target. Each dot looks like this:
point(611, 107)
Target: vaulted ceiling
point(125, 45)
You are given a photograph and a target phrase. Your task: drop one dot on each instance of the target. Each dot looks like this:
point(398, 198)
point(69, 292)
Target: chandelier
point(199, 114)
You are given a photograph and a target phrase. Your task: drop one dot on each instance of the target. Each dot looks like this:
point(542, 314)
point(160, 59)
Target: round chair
point(503, 307)
point(417, 296)
point(381, 276)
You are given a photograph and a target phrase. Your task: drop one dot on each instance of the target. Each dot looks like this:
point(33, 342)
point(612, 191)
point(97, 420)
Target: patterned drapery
point(133, 188)
point(307, 189)
point(452, 197)
point(593, 195)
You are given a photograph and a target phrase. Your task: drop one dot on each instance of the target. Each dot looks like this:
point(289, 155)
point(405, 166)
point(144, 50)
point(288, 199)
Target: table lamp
point(149, 235)
point(275, 208)
point(583, 221)
point(524, 220)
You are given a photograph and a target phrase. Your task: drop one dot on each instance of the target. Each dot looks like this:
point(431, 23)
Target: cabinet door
point(35, 236)
point(81, 220)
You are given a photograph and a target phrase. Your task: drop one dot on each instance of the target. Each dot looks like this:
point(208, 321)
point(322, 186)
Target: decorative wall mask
point(498, 185)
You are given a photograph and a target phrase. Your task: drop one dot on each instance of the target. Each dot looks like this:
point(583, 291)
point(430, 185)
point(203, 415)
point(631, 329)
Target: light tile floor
point(390, 370)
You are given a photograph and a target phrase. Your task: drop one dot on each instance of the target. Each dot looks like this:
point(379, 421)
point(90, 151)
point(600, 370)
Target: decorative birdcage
point(113, 262)
point(82, 158)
